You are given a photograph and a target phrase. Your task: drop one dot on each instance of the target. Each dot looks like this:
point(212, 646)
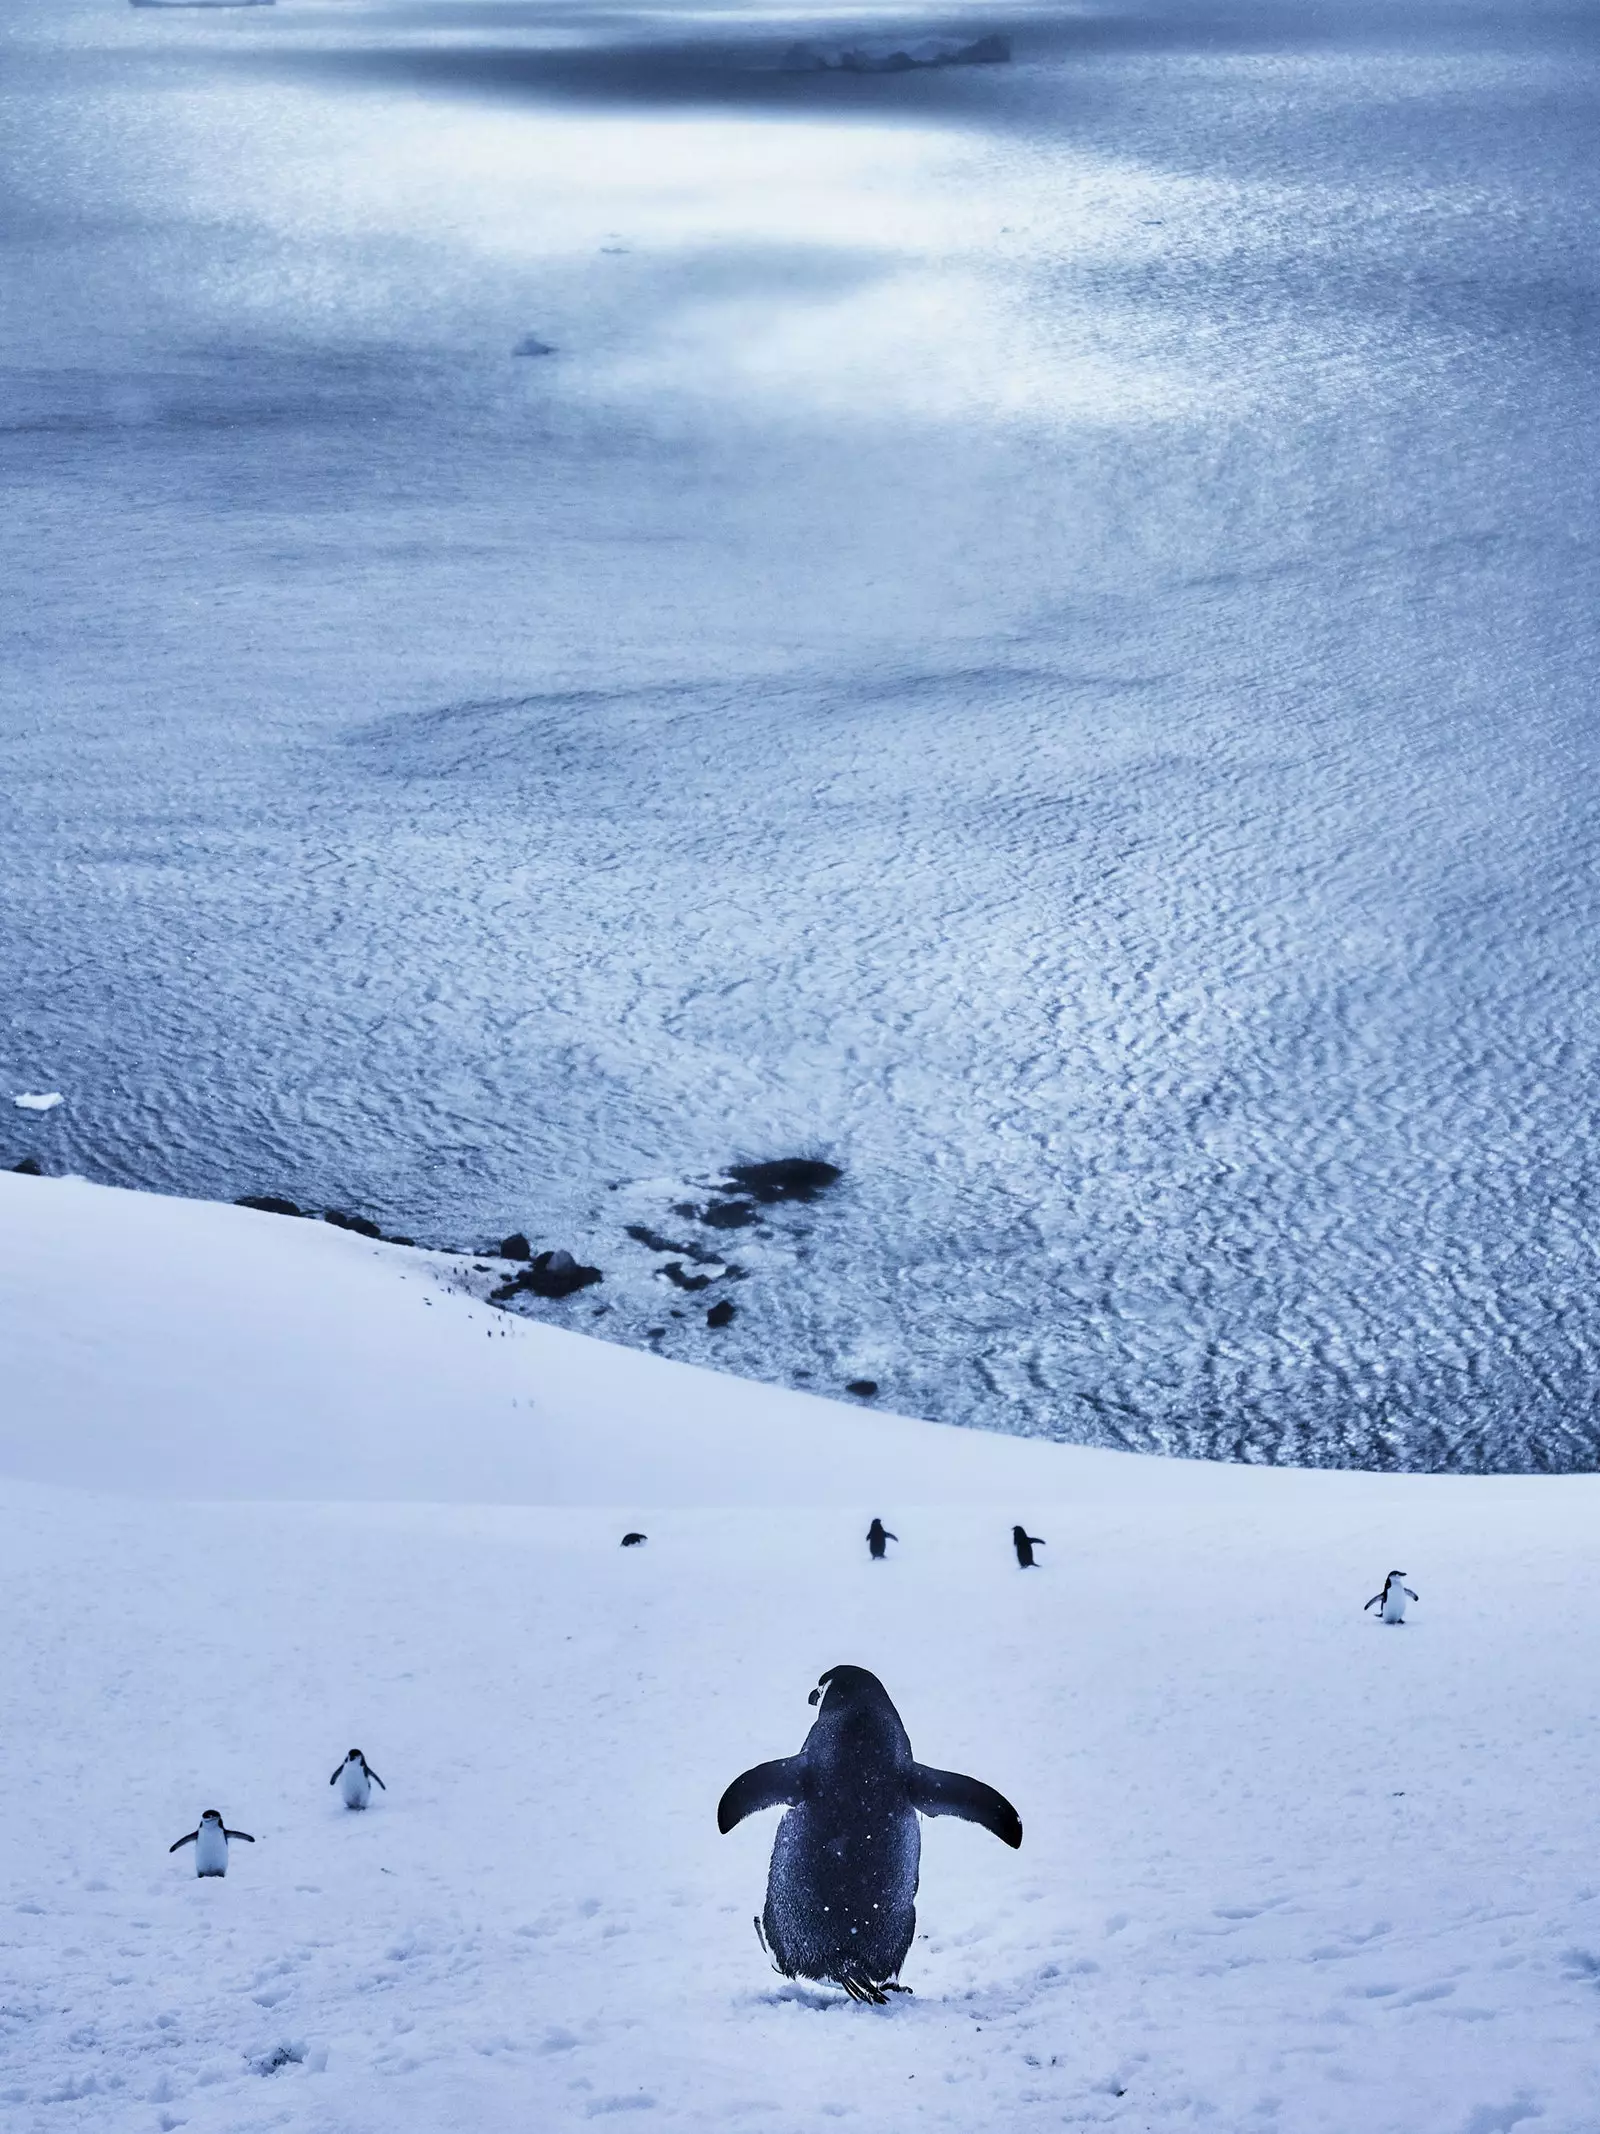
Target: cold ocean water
point(1034, 636)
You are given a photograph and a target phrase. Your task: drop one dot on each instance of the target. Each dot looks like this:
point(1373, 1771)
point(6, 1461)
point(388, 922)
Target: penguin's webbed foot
point(859, 1989)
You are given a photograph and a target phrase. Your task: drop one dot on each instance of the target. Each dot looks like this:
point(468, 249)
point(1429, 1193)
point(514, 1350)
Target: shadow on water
point(625, 57)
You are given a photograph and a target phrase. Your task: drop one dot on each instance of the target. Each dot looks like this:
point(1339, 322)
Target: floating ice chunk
point(889, 55)
point(27, 1102)
point(531, 345)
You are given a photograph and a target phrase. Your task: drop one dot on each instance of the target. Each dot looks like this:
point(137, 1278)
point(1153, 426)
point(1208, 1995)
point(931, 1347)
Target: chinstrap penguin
point(1025, 1543)
point(877, 1535)
point(842, 1886)
point(1394, 1596)
point(210, 1842)
point(355, 1779)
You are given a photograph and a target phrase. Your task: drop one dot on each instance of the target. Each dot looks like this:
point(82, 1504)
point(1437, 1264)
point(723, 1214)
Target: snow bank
point(1283, 1868)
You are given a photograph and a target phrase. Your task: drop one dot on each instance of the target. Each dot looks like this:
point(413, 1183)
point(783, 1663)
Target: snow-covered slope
point(1282, 1869)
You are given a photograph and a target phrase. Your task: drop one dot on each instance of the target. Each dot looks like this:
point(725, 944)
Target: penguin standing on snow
point(1025, 1543)
point(355, 1779)
point(842, 1886)
point(877, 1535)
point(210, 1842)
point(1394, 1596)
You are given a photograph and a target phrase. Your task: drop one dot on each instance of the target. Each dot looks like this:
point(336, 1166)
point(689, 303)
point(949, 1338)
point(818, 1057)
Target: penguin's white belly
point(1394, 1608)
point(355, 1788)
point(210, 1851)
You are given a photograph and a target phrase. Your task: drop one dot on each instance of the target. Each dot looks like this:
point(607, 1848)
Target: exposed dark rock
point(863, 1388)
point(721, 1314)
point(400, 1241)
point(788, 1178)
point(642, 1234)
point(552, 1274)
point(29, 1167)
point(675, 1275)
point(268, 1203)
point(342, 1220)
point(632, 1541)
point(515, 1247)
point(687, 1209)
point(729, 1214)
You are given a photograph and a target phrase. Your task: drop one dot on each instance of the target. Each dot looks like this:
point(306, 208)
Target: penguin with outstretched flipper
point(1025, 1543)
point(355, 1779)
point(877, 1535)
point(841, 1890)
point(210, 1842)
point(1394, 1596)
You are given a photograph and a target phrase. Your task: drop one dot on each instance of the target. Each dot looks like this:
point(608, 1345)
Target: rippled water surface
point(1035, 637)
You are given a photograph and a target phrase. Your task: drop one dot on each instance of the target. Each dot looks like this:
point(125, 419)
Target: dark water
point(1035, 638)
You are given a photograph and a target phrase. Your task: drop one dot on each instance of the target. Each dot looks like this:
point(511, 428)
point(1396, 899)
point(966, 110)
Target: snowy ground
point(1283, 1870)
point(1035, 636)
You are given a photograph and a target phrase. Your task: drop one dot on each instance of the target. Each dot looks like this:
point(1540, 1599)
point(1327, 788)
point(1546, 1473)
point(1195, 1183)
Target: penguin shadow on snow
point(842, 1883)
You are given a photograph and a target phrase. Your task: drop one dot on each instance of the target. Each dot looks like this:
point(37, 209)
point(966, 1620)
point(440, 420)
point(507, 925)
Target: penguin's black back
point(841, 1892)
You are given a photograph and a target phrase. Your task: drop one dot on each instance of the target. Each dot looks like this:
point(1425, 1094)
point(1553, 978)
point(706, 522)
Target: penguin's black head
point(212, 1815)
point(844, 1686)
point(1019, 1533)
point(1397, 1574)
point(355, 1757)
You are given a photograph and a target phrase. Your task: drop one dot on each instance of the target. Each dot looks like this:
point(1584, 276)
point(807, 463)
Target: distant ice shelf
point(888, 55)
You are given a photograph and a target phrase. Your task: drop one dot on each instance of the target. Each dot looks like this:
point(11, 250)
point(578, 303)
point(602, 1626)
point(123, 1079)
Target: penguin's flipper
point(335, 1778)
point(376, 1780)
point(952, 1793)
point(774, 1785)
point(239, 1834)
point(1373, 1602)
point(189, 1840)
point(1410, 1595)
point(891, 1537)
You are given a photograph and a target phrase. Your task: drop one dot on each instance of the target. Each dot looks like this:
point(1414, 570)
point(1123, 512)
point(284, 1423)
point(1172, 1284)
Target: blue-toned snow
point(1034, 635)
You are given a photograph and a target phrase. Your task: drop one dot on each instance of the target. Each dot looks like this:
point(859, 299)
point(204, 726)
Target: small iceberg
point(888, 55)
point(46, 1103)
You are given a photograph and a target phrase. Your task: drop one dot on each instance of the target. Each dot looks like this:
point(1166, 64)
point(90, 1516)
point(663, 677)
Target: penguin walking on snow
point(877, 1535)
point(842, 1886)
point(1025, 1543)
point(210, 1842)
point(355, 1779)
point(1394, 1596)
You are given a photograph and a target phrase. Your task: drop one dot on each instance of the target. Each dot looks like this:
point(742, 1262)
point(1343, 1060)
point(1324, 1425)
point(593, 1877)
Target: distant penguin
point(632, 1541)
point(210, 1842)
point(1394, 1596)
point(355, 1779)
point(842, 1886)
point(1025, 1543)
point(877, 1535)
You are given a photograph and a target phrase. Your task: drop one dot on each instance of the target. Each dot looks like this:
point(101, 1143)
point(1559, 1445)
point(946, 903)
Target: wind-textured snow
point(1035, 637)
point(1283, 1869)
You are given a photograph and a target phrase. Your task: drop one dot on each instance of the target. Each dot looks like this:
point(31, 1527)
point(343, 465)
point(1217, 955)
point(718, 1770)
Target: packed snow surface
point(271, 1490)
point(1036, 639)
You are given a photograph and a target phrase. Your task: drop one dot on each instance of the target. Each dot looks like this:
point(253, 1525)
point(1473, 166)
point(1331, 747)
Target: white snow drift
point(273, 1489)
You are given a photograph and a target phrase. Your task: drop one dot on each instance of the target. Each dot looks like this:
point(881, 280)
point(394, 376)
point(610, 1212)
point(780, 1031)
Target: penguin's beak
point(815, 1697)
